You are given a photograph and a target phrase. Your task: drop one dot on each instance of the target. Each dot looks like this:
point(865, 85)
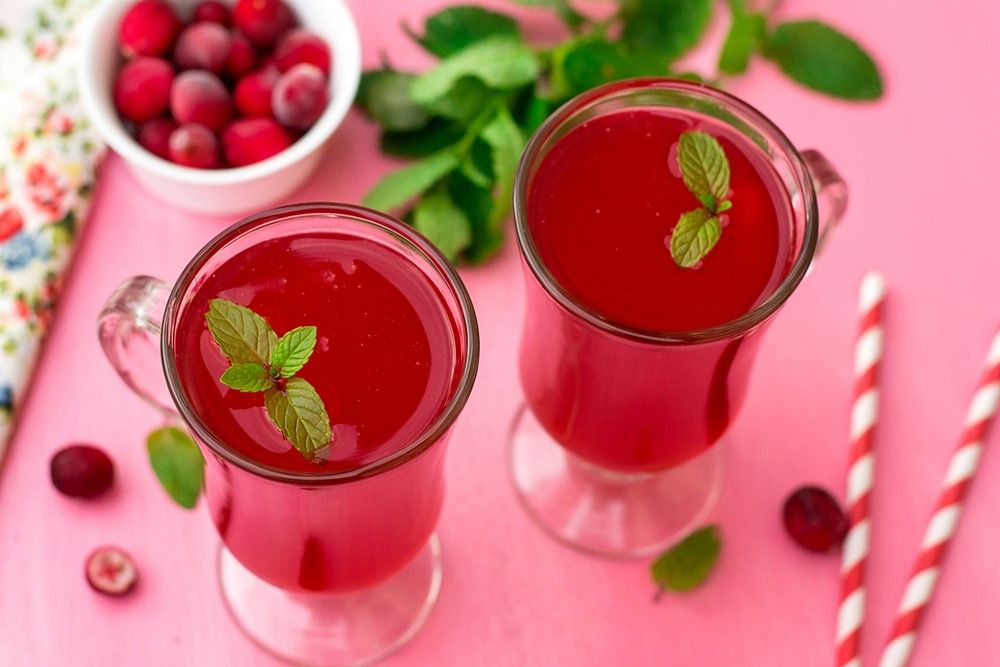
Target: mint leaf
point(401, 186)
point(300, 415)
point(463, 102)
point(746, 34)
point(443, 223)
point(293, 351)
point(427, 140)
point(385, 96)
point(589, 63)
point(505, 139)
point(704, 167)
point(178, 464)
point(478, 205)
point(250, 376)
point(502, 63)
point(451, 30)
point(824, 59)
point(562, 8)
point(241, 334)
point(667, 27)
point(688, 563)
point(695, 235)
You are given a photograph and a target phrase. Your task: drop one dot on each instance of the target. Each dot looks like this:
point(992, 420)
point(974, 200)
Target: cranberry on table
point(814, 519)
point(142, 89)
point(203, 46)
point(263, 21)
point(300, 96)
point(242, 56)
point(154, 136)
point(301, 45)
point(111, 571)
point(81, 471)
point(148, 28)
point(200, 97)
point(216, 12)
point(252, 94)
point(193, 145)
point(250, 140)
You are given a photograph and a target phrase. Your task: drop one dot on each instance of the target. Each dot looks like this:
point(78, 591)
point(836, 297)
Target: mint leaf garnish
point(453, 29)
point(401, 186)
point(300, 415)
point(688, 563)
point(705, 170)
point(178, 464)
point(293, 351)
point(241, 334)
point(696, 233)
point(249, 377)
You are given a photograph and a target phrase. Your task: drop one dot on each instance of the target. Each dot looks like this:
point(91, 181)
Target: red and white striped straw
point(947, 512)
point(861, 469)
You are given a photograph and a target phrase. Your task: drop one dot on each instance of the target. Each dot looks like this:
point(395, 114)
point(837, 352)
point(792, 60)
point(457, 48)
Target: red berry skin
point(252, 94)
point(263, 21)
point(148, 28)
point(242, 56)
point(300, 97)
point(111, 571)
point(216, 12)
point(154, 136)
point(299, 46)
point(814, 519)
point(193, 145)
point(142, 89)
point(203, 46)
point(200, 97)
point(250, 140)
point(81, 471)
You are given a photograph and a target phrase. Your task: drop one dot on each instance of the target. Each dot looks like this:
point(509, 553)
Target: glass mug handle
point(129, 328)
point(831, 191)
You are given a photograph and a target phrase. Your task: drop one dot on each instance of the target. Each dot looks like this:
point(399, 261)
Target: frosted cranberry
point(242, 56)
point(148, 28)
point(253, 92)
point(154, 136)
point(81, 471)
point(216, 12)
point(111, 571)
point(300, 96)
point(203, 46)
point(200, 97)
point(193, 145)
point(250, 140)
point(302, 46)
point(263, 21)
point(814, 519)
point(142, 89)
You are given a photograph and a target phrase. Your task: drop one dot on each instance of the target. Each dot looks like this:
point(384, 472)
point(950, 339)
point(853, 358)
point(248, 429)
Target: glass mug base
point(605, 512)
point(341, 629)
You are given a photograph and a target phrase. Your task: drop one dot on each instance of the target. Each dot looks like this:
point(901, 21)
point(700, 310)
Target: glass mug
point(329, 568)
point(616, 450)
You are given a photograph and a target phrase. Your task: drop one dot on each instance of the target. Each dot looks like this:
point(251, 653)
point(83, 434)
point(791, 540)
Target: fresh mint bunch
point(466, 119)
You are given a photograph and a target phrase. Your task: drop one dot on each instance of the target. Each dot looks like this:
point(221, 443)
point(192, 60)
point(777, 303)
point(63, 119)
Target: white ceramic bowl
point(220, 191)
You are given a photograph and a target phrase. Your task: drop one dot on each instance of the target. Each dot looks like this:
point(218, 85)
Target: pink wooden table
point(923, 171)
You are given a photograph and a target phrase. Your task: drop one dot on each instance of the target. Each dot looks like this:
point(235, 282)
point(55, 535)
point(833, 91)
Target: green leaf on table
point(452, 29)
point(241, 334)
point(249, 376)
point(592, 62)
point(501, 63)
point(385, 96)
point(668, 27)
point(300, 415)
point(403, 185)
point(468, 98)
point(439, 133)
point(478, 205)
point(178, 464)
point(695, 235)
point(562, 8)
point(293, 351)
point(688, 563)
point(746, 35)
point(438, 218)
point(704, 167)
point(506, 141)
point(824, 59)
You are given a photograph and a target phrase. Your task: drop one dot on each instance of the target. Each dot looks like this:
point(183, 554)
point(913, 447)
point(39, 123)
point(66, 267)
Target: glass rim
point(419, 444)
point(758, 121)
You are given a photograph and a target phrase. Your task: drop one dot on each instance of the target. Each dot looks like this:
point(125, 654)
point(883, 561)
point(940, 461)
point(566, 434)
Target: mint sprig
point(705, 170)
point(263, 362)
point(688, 563)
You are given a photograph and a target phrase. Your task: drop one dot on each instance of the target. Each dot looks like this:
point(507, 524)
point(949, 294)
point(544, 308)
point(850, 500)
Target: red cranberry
point(216, 12)
point(193, 145)
point(242, 56)
point(263, 21)
point(142, 89)
point(253, 92)
point(200, 97)
point(111, 571)
point(154, 136)
point(148, 28)
point(302, 46)
point(300, 96)
point(81, 471)
point(250, 140)
point(203, 46)
point(814, 519)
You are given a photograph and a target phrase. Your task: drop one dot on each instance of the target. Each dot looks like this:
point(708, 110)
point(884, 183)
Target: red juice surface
point(384, 362)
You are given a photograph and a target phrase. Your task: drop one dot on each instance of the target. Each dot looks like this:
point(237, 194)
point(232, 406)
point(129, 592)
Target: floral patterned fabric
point(48, 161)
